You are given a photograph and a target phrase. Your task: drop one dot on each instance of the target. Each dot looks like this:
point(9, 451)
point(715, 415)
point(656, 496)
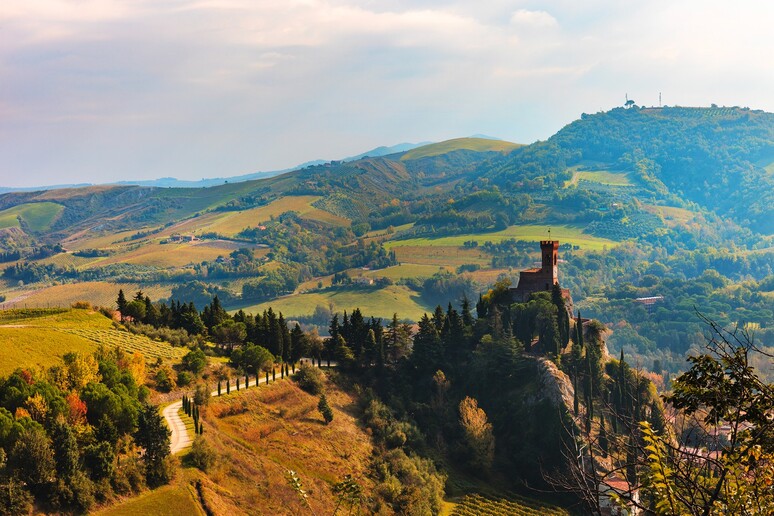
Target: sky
point(95, 91)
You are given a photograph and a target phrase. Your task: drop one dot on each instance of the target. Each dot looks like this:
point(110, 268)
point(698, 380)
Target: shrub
point(202, 455)
point(165, 379)
point(195, 361)
point(81, 305)
point(183, 378)
point(310, 379)
point(325, 409)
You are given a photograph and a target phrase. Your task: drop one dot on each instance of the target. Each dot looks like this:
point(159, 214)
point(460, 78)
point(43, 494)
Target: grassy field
point(405, 270)
point(262, 433)
point(565, 234)
point(605, 177)
point(672, 216)
point(371, 301)
point(438, 255)
point(231, 223)
point(474, 144)
point(42, 340)
point(101, 293)
point(178, 499)
point(39, 215)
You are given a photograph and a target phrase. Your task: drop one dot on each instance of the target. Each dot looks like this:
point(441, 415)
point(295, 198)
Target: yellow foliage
point(82, 369)
point(37, 407)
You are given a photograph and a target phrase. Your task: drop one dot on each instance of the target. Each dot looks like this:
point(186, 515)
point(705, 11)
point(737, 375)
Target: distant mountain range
point(171, 182)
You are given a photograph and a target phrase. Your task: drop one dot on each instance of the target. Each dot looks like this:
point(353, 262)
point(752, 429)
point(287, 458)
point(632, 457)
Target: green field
point(38, 215)
point(371, 301)
point(510, 505)
point(473, 144)
point(172, 499)
point(564, 234)
point(40, 338)
point(406, 270)
point(605, 177)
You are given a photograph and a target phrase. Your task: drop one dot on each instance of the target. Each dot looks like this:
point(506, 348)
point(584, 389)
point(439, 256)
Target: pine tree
point(121, 302)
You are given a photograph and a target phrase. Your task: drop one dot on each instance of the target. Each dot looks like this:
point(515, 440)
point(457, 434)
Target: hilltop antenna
point(659, 99)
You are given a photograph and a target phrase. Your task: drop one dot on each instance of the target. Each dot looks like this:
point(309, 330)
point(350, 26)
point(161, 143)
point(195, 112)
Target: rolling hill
point(638, 198)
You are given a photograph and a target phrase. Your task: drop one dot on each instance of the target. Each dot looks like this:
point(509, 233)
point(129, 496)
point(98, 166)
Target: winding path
point(180, 439)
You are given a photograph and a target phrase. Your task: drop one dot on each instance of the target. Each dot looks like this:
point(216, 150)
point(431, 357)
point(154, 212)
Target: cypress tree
point(603, 442)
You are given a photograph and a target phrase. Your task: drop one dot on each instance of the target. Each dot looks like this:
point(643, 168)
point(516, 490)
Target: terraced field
point(509, 505)
point(129, 342)
point(41, 337)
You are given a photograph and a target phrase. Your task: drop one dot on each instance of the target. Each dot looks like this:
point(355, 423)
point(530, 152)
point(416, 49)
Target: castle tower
point(550, 251)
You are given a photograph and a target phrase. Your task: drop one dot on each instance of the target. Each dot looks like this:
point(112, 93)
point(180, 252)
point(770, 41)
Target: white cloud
point(148, 88)
point(536, 19)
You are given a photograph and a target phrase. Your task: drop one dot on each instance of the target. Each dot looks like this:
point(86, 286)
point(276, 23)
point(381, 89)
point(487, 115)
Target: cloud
point(98, 90)
point(536, 19)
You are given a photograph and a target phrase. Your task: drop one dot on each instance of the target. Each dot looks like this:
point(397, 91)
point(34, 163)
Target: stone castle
point(543, 278)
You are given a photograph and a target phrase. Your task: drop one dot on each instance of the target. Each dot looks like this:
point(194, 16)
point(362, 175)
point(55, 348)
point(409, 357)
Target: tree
point(325, 409)
point(121, 303)
point(135, 311)
point(478, 433)
point(720, 388)
point(153, 435)
point(32, 458)
point(195, 361)
point(229, 333)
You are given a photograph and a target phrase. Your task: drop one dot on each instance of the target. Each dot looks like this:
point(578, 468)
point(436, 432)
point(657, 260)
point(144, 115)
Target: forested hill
point(720, 158)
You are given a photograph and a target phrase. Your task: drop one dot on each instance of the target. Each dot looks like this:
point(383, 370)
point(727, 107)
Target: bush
point(81, 305)
point(195, 361)
point(310, 379)
point(325, 409)
point(165, 379)
point(184, 378)
point(202, 455)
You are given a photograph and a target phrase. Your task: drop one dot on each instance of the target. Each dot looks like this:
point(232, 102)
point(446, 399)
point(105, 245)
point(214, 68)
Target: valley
point(401, 269)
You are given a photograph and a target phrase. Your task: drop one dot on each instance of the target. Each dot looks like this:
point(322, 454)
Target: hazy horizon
point(101, 91)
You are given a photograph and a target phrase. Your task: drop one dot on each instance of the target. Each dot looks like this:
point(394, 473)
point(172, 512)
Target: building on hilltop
point(542, 279)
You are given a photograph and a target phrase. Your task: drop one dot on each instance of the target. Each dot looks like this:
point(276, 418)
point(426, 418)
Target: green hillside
point(643, 201)
point(471, 144)
point(38, 216)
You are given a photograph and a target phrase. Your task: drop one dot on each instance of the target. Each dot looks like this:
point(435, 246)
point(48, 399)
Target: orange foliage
point(76, 409)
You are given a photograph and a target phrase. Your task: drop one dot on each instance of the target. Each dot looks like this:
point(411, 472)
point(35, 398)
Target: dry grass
point(438, 255)
point(672, 216)
point(178, 499)
point(101, 293)
point(272, 430)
